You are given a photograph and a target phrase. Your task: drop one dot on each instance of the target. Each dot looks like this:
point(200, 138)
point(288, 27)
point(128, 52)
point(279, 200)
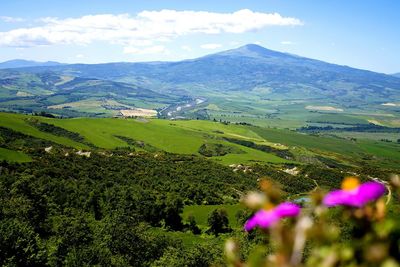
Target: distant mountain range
point(251, 72)
point(251, 69)
point(21, 63)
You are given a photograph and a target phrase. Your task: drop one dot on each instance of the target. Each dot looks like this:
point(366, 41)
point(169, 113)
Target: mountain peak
point(253, 47)
point(252, 50)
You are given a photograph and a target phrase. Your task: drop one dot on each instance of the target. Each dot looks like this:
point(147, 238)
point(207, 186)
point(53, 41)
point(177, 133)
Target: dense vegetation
point(131, 203)
point(210, 150)
point(283, 153)
point(143, 192)
point(98, 210)
point(356, 128)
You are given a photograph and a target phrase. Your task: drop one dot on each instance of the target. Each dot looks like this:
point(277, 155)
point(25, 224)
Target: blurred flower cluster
point(357, 225)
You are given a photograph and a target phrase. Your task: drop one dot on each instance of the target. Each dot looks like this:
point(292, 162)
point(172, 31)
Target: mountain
point(21, 63)
point(249, 83)
point(246, 69)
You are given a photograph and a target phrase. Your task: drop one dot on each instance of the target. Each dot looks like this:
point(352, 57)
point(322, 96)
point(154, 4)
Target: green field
point(184, 137)
point(187, 136)
point(18, 123)
point(13, 156)
point(201, 213)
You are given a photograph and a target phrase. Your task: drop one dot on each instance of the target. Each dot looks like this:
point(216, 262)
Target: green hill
point(221, 142)
point(183, 137)
point(68, 95)
point(152, 184)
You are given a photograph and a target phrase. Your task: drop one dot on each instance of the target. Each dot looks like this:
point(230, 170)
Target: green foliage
point(20, 245)
point(138, 144)
point(288, 183)
point(218, 222)
point(201, 213)
point(370, 128)
point(283, 153)
point(197, 256)
point(73, 210)
point(212, 149)
point(365, 234)
point(192, 225)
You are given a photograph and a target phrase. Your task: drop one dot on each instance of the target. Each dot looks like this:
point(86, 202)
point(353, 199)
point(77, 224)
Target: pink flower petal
point(287, 209)
point(358, 197)
point(266, 218)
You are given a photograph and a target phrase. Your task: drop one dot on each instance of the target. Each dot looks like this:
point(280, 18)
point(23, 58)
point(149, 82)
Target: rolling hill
point(73, 96)
point(245, 69)
point(223, 143)
point(21, 63)
point(248, 84)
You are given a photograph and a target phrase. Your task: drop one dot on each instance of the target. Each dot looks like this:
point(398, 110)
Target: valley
point(199, 133)
point(249, 84)
point(134, 164)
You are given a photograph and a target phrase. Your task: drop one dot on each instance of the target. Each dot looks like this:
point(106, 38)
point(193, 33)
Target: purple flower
point(265, 218)
point(353, 194)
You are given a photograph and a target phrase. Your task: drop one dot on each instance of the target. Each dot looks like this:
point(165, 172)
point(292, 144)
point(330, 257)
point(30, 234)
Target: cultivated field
point(138, 112)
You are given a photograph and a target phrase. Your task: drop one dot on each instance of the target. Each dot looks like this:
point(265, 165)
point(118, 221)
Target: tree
point(208, 254)
point(218, 222)
point(173, 209)
point(193, 225)
point(19, 244)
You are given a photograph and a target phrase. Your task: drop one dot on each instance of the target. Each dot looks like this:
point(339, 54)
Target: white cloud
point(80, 56)
point(211, 46)
point(287, 43)
point(147, 28)
point(157, 49)
point(11, 19)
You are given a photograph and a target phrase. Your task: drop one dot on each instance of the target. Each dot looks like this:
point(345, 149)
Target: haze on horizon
point(354, 33)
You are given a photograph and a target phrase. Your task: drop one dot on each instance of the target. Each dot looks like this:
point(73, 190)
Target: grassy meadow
point(13, 156)
point(201, 213)
point(187, 136)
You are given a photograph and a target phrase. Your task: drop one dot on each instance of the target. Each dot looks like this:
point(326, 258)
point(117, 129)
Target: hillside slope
point(226, 144)
point(69, 95)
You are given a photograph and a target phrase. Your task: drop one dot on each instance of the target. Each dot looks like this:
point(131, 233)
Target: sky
point(358, 33)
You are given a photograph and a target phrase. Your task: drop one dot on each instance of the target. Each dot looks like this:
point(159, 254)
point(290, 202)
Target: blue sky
point(363, 34)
